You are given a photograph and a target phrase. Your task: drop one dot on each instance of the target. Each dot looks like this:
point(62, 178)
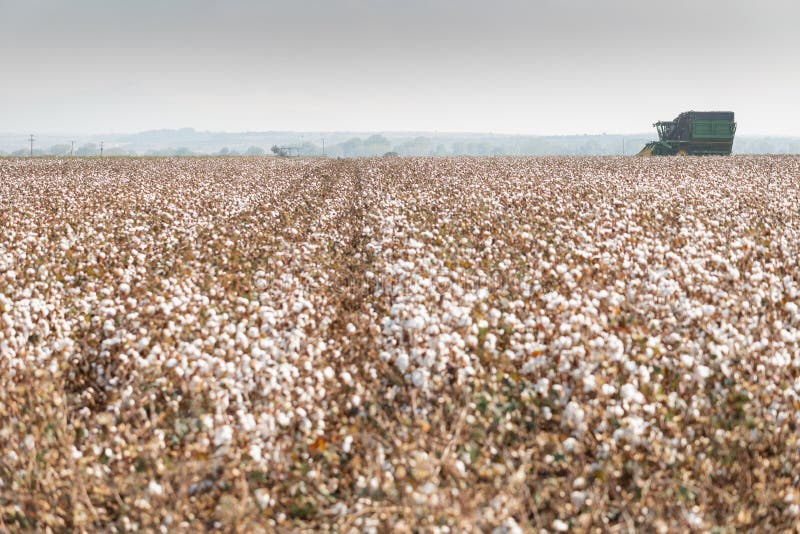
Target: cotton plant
point(497, 344)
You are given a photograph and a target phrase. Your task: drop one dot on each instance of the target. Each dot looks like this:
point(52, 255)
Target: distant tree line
point(438, 145)
point(93, 149)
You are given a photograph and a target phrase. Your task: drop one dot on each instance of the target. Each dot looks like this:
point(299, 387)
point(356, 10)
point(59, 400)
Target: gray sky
point(510, 66)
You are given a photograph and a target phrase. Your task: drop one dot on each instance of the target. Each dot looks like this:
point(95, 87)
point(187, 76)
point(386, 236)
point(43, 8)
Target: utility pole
point(32, 137)
point(623, 145)
point(101, 149)
point(323, 147)
point(71, 148)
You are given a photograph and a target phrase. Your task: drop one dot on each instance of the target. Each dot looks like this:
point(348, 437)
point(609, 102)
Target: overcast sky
point(504, 66)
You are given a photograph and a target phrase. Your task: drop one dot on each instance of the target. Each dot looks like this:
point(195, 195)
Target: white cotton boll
point(629, 393)
point(509, 526)
point(263, 499)
point(283, 419)
point(346, 378)
point(142, 344)
point(615, 347)
point(155, 489)
point(429, 488)
point(780, 359)
point(577, 498)
point(560, 526)
point(702, 372)
point(419, 378)
point(242, 340)
point(788, 336)
point(529, 367)
point(351, 329)
point(644, 374)
point(415, 323)
point(255, 453)
point(248, 422)
point(124, 288)
point(460, 468)
point(631, 431)
point(569, 444)
point(401, 362)
point(542, 386)
point(589, 383)
point(687, 360)
point(608, 390)
point(573, 415)
point(694, 520)
point(223, 436)
point(347, 444)
point(328, 373)
point(207, 421)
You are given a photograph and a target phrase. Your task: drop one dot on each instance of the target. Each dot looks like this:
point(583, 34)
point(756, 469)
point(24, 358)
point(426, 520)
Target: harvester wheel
point(682, 152)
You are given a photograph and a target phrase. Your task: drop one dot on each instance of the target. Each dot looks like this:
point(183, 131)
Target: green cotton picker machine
point(694, 133)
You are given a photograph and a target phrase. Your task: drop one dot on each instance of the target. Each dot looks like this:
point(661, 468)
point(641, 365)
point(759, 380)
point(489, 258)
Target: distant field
point(524, 343)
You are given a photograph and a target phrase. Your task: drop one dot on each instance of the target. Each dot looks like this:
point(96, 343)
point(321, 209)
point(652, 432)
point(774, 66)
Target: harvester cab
point(695, 133)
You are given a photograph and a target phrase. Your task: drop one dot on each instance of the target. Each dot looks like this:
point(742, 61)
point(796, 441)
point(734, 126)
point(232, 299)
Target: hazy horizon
point(100, 134)
point(510, 67)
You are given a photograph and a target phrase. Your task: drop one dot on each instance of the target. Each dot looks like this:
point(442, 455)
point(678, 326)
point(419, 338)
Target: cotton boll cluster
point(507, 343)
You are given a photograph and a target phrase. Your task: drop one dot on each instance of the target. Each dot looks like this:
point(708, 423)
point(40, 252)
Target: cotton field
point(445, 345)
